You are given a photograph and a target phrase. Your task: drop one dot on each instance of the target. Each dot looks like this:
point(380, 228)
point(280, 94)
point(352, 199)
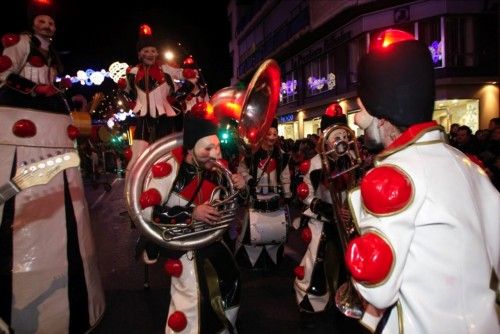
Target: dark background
point(93, 34)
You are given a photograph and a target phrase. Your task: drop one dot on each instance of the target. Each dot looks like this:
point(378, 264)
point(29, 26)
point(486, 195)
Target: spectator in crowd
point(465, 140)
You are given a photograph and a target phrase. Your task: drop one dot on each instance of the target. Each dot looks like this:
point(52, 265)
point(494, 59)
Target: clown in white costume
point(160, 93)
point(321, 268)
point(268, 176)
point(427, 215)
point(49, 281)
point(205, 286)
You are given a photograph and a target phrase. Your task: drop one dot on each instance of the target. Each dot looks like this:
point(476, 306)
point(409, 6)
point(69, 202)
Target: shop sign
point(287, 118)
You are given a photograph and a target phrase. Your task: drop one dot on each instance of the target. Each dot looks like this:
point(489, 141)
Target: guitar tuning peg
point(58, 152)
point(24, 163)
point(41, 158)
point(49, 155)
point(33, 160)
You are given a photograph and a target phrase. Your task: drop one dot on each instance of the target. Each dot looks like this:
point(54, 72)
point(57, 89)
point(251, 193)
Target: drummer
point(268, 178)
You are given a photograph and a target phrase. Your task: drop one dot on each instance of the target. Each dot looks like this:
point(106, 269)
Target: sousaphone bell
point(254, 109)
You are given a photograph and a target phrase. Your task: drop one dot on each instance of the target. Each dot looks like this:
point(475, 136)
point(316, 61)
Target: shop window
point(286, 131)
point(312, 126)
point(463, 112)
point(460, 41)
point(429, 32)
point(357, 48)
point(318, 76)
point(288, 91)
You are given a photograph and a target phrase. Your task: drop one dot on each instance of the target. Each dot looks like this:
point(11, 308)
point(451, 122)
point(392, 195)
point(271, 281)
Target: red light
point(43, 2)
point(334, 110)
point(145, 30)
point(188, 61)
point(391, 36)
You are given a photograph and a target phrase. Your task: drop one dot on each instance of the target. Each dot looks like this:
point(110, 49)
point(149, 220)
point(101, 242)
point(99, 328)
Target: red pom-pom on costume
point(10, 40)
point(36, 61)
point(369, 258)
point(24, 128)
point(127, 153)
point(122, 83)
point(199, 109)
point(299, 272)
point(270, 165)
point(302, 191)
point(66, 83)
point(177, 321)
point(73, 132)
point(161, 169)
point(304, 167)
point(386, 190)
point(189, 73)
point(173, 267)
point(150, 197)
point(5, 63)
point(306, 235)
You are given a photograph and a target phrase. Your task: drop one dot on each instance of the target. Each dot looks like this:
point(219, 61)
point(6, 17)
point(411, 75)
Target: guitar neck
point(7, 191)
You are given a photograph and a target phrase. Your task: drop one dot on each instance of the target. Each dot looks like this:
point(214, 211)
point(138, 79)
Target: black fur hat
point(396, 80)
point(333, 115)
point(40, 7)
point(197, 124)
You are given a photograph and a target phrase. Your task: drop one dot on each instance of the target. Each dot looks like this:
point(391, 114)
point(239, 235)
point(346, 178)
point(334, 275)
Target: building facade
point(318, 44)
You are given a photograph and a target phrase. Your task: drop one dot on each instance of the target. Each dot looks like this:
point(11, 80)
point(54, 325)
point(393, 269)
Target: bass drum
point(268, 227)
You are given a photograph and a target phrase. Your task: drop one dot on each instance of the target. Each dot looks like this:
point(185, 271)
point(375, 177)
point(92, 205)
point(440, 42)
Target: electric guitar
point(38, 173)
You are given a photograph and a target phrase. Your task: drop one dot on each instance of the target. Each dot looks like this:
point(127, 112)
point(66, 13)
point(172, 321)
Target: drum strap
point(215, 295)
point(263, 169)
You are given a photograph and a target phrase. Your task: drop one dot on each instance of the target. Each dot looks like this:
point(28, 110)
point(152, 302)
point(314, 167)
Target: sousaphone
point(254, 109)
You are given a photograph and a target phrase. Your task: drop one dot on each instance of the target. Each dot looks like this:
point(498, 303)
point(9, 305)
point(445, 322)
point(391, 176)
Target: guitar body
point(49, 229)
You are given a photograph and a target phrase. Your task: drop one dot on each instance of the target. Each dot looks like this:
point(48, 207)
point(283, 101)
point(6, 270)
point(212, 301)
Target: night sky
point(89, 36)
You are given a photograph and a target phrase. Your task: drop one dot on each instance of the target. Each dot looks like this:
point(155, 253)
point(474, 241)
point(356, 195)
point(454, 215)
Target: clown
point(49, 279)
point(205, 286)
point(160, 93)
point(427, 215)
point(318, 273)
point(268, 177)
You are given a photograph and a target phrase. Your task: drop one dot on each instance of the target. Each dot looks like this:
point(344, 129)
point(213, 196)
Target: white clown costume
point(49, 279)
point(426, 232)
point(204, 282)
point(320, 270)
point(269, 175)
point(427, 216)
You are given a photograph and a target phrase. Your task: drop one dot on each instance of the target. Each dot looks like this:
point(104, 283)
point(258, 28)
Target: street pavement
point(267, 302)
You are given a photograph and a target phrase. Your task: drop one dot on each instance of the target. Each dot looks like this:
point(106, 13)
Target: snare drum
point(266, 203)
point(268, 228)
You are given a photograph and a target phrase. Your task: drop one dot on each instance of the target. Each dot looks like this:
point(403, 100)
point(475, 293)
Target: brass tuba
point(340, 158)
point(254, 108)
